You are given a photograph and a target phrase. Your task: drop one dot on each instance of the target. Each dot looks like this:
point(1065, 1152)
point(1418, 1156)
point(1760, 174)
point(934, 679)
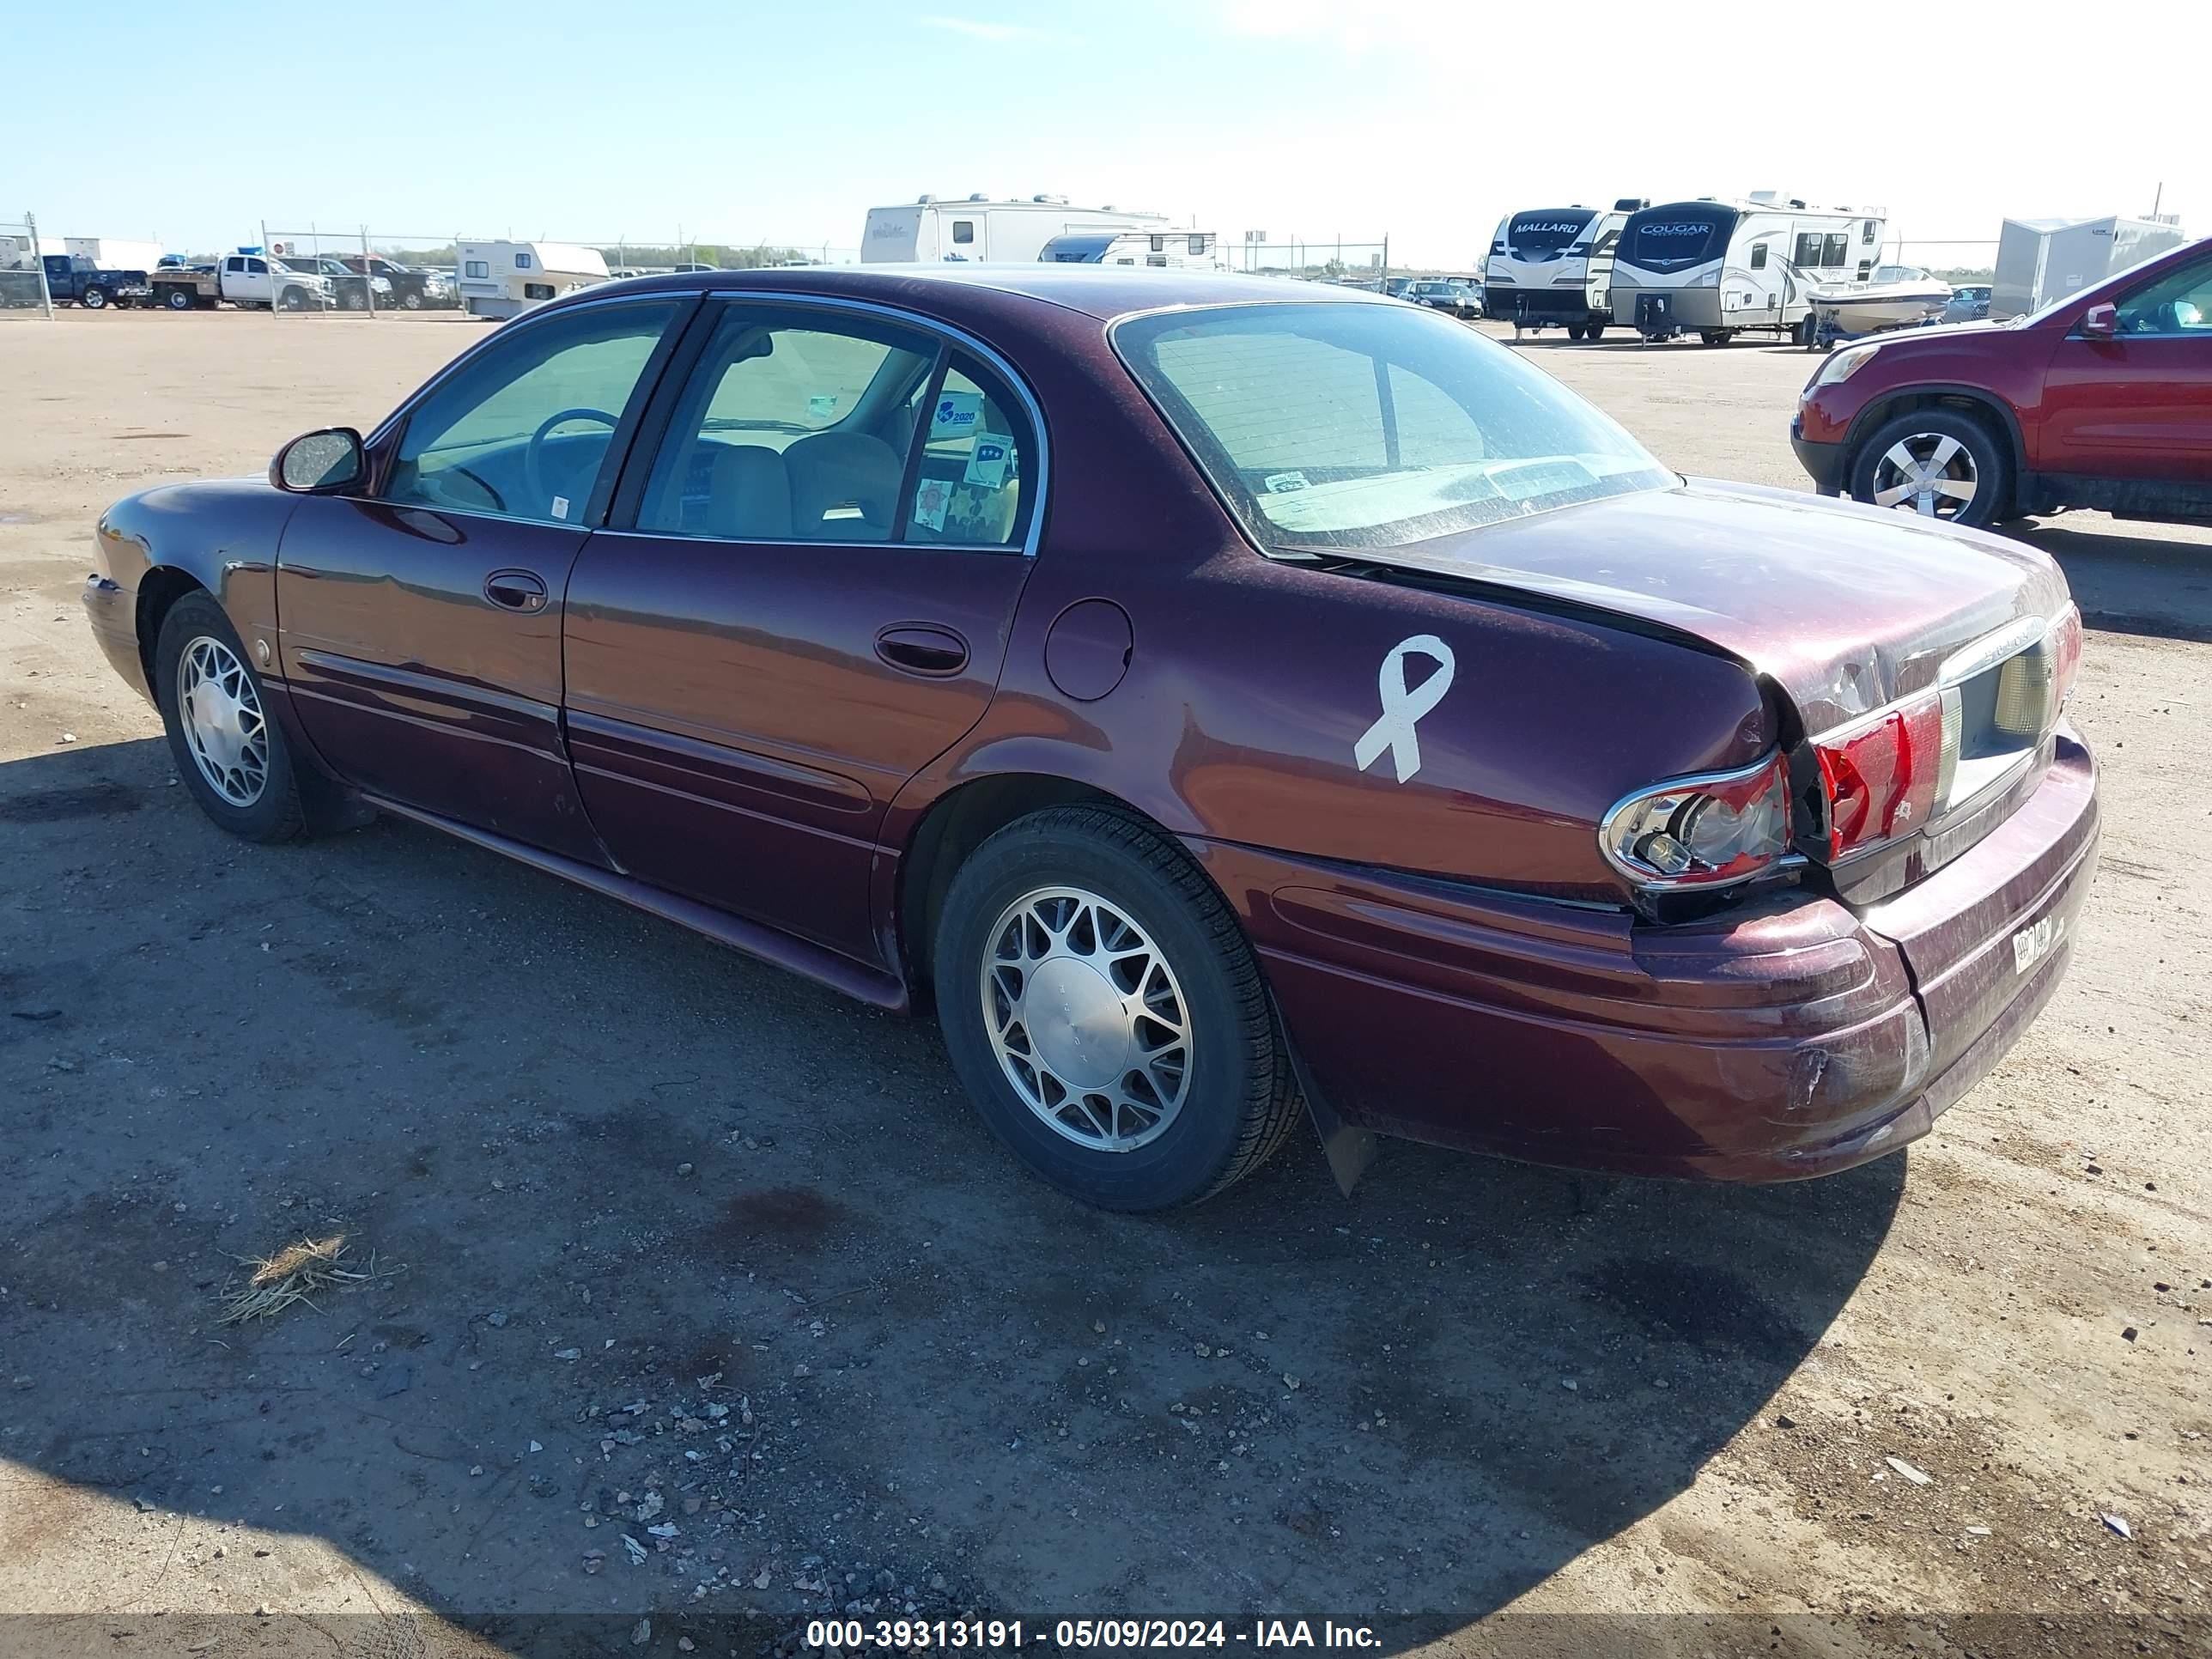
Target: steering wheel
point(533, 471)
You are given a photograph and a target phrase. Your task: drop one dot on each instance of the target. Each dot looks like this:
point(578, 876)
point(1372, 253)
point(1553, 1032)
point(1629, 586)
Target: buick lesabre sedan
point(1211, 694)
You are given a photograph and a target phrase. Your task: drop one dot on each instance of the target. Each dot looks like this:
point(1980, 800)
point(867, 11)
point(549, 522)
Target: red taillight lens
point(1882, 779)
point(1702, 831)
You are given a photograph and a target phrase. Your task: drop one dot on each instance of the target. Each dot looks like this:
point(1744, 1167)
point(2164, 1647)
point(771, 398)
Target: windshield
point(1350, 426)
point(1546, 233)
point(1674, 238)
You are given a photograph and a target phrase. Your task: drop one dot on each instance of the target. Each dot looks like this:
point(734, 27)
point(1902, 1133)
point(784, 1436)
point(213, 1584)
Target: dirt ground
point(699, 1303)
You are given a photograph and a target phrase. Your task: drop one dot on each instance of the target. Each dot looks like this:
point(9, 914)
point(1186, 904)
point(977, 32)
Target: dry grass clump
point(294, 1274)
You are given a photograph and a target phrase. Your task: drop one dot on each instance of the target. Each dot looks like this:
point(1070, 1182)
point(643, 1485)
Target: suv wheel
point(1938, 463)
point(1106, 1013)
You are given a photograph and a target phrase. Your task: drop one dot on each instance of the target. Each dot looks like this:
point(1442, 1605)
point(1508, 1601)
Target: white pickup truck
point(243, 279)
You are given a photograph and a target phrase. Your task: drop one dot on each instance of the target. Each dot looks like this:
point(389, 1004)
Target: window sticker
point(822, 406)
point(987, 465)
point(1282, 484)
point(956, 415)
point(929, 503)
point(560, 507)
point(973, 515)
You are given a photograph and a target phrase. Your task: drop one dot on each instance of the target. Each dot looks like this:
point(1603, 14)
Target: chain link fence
point(23, 291)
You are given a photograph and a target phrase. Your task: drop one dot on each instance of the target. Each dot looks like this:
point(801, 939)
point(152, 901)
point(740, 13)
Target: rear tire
point(1574, 330)
point(179, 297)
point(256, 799)
point(1910, 464)
point(1594, 333)
point(1127, 903)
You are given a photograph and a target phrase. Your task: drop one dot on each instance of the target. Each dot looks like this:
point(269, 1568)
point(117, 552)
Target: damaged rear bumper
point(1791, 1037)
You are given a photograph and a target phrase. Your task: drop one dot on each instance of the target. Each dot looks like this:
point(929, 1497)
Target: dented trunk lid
point(1846, 608)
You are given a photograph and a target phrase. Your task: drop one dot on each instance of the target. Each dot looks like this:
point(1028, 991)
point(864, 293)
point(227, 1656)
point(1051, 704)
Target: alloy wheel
point(219, 706)
point(1930, 473)
point(1086, 1018)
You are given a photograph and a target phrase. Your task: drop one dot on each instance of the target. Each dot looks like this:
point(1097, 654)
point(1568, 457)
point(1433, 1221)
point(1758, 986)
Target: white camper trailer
point(16, 253)
point(113, 252)
point(1552, 267)
point(498, 279)
point(1181, 250)
point(2039, 260)
point(1715, 268)
point(929, 229)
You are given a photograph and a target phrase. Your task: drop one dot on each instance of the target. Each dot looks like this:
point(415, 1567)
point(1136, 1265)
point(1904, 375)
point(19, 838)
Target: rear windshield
point(1544, 234)
point(1672, 238)
point(1349, 426)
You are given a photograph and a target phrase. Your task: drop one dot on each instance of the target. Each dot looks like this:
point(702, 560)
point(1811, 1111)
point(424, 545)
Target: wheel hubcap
point(219, 710)
point(1930, 473)
point(1086, 1018)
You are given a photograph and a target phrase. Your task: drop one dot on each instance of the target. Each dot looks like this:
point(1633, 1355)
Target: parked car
point(1457, 298)
point(1969, 303)
point(350, 290)
point(2102, 399)
point(1200, 723)
point(409, 287)
point(71, 280)
point(244, 278)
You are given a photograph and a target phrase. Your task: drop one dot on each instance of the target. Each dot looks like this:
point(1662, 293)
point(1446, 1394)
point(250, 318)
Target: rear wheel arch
point(957, 823)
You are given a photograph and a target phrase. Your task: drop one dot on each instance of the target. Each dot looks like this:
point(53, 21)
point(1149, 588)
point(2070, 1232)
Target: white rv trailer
point(2039, 260)
point(1553, 267)
point(114, 252)
point(1715, 268)
point(499, 279)
point(928, 229)
point(1184, 250)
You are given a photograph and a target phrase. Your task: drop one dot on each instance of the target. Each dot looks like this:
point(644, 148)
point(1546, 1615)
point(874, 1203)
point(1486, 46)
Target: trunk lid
point(1846, 608)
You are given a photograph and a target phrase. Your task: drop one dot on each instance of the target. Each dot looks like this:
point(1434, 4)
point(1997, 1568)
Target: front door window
point(2178, 304)
point(524, 430)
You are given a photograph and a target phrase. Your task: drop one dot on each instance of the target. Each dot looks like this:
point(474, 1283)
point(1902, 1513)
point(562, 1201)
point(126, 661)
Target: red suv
point(2102, 399)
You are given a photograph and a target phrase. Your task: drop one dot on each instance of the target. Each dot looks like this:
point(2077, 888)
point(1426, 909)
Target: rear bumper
point(1824, 463)
point(1790, 1038)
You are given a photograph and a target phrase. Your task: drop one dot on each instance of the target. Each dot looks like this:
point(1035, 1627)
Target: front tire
point(1106, 1013)
point(227, 747)
point(1939, 463)
point(94, 299)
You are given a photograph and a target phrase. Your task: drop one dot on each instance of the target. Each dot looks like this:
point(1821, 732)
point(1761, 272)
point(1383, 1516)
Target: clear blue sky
point(786, 122)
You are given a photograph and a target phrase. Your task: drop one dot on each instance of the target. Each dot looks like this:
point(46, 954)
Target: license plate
point(2035, 941)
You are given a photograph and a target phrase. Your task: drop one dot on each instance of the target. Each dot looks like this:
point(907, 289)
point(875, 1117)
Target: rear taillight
point(1884, 776)
point(1702, 831)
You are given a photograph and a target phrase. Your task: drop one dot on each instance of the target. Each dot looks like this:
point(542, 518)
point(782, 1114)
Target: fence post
point(39, 265)
point(269, 265)
point(367, 275)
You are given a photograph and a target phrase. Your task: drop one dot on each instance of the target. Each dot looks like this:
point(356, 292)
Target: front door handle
point(515, 590)
point(919, 649)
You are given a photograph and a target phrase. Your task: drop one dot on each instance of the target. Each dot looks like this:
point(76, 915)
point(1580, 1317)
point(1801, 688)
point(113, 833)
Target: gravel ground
point(699, 1303)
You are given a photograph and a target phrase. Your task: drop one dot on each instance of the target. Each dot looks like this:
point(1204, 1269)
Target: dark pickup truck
point(73, 281)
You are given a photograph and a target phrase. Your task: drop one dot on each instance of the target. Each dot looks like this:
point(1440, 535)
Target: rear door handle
point(515, 590)
point(921, 648)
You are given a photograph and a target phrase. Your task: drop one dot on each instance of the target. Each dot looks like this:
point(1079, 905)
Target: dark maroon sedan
point(1213, 693)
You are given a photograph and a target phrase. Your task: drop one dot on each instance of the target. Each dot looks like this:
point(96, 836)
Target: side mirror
point(320, 463)
point(2100, 322)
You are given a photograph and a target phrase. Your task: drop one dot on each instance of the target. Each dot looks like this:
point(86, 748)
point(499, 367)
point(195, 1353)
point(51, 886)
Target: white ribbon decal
point(1402, 708)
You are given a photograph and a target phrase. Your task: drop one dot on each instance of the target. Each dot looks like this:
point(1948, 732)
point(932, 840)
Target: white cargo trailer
point(114, 252)
point(929, 229)
point(2040, 260)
